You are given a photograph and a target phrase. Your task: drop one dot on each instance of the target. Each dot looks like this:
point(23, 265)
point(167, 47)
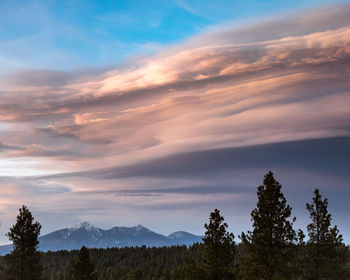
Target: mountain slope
point(93, 237)
point(185, 238)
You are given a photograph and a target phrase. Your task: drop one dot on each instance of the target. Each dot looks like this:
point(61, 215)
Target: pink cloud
point(214, 91)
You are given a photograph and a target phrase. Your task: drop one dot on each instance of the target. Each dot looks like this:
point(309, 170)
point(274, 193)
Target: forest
point(272, 250)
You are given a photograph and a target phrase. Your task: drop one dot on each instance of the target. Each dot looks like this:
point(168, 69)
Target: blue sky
point(156, 112)
point(75, 35)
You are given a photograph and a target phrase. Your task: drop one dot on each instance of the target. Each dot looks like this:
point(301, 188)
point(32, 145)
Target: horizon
point(156, 114)
point(87, 226)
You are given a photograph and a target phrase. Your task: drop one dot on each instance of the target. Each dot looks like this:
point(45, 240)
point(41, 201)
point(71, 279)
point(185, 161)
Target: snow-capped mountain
point(93, 237)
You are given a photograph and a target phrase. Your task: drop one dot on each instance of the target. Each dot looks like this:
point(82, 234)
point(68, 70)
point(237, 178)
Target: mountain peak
point(179, 234)
point(140, 227)
point(85, 225)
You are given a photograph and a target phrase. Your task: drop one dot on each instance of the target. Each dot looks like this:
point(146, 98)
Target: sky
point(157, 112)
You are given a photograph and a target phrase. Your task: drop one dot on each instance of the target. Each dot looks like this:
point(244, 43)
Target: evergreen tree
point(326, 255)
point(218, 248)
point(268, 246)
point(82, 268)
point(23, 263)
point(193, 271)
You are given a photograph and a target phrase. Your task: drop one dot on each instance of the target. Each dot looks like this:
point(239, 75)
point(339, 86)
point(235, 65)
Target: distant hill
point(184, 238)
point(93, 237)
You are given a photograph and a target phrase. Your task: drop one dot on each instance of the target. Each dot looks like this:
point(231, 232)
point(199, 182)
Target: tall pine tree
point(23, 263)
point(218, 248)
point(325, 254)
point(267, 247)
point(82, 268)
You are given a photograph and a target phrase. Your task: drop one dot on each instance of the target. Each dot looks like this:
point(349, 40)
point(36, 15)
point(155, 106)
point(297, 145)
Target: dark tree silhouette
point(218, 248)
point(325, 254)
point(268, 245)
point(82, 268)
point(23, 263)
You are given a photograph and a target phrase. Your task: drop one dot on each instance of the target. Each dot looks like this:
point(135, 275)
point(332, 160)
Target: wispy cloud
point(207, 106)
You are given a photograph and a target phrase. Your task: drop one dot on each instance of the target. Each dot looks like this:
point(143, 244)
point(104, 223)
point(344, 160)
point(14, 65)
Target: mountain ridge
point(93, 237)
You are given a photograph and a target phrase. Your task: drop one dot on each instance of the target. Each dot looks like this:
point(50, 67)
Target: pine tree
point(326, 255)
point(23, 263)
point(193, 271)
point(218, 248)
point(267, 247)
point(82, 268)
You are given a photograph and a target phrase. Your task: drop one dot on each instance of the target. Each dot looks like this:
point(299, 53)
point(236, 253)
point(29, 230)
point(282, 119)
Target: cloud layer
point(119, 134)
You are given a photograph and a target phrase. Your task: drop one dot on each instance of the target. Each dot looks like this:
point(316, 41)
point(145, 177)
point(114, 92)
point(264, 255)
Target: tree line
point(272, 250)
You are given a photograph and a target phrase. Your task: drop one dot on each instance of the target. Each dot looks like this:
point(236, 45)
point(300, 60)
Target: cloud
point(174, 129)
point(215, 91)
point(327, 155)
point(37, 78)
point(315, 20)
point(4, 147)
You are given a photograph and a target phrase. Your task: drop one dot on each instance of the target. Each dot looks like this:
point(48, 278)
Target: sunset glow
point(162, 133)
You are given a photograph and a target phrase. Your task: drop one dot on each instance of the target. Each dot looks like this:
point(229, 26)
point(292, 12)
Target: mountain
point(184, 238)
point(93, 237)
